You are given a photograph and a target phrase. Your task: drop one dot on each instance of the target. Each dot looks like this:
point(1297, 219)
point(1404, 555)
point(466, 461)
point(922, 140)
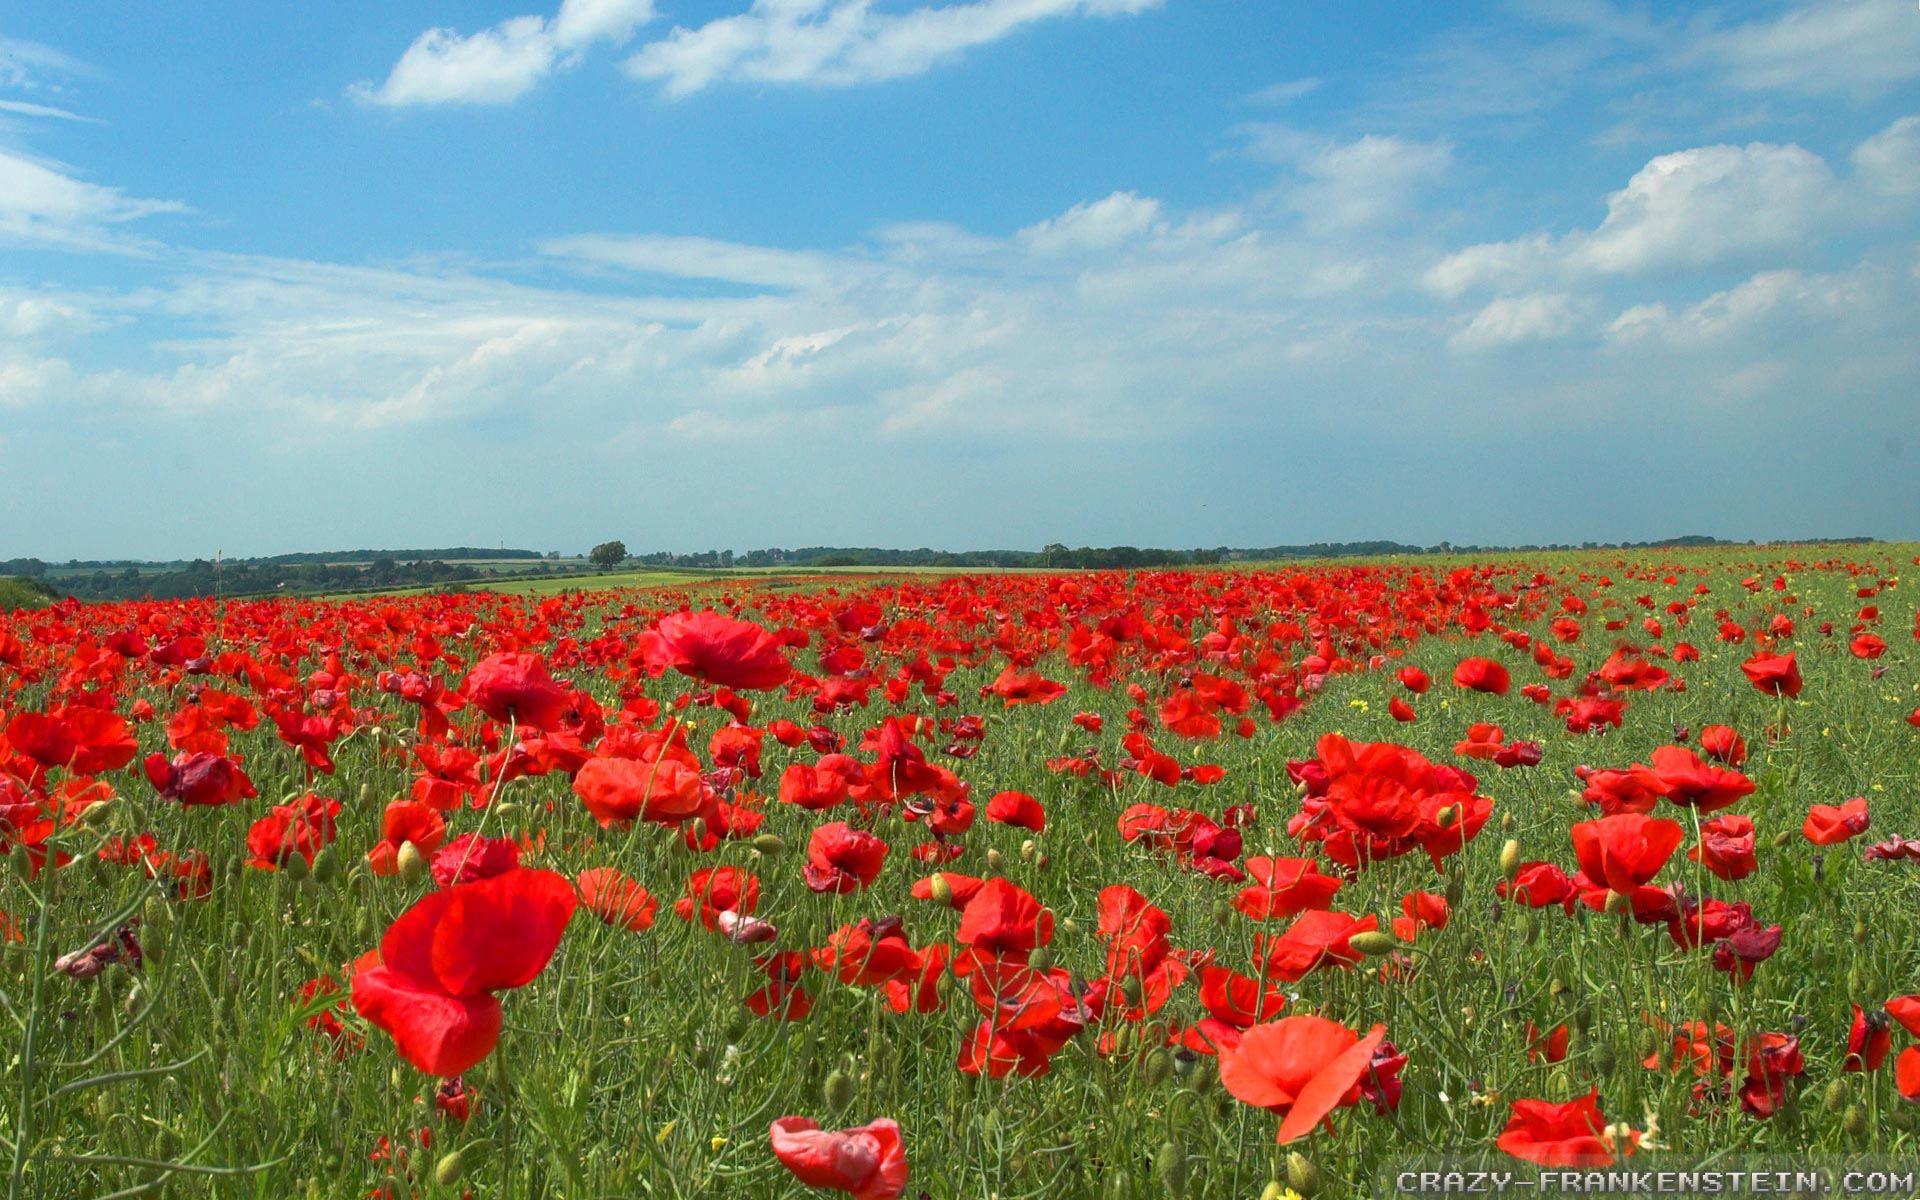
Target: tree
point(608, 555)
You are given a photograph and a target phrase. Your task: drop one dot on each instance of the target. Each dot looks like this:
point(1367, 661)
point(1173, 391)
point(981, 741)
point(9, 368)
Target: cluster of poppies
point(852, 725)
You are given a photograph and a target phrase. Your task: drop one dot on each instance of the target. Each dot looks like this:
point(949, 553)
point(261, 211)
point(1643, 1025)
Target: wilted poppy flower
point(430, 985)
point(868, 1162)
point(199, 780)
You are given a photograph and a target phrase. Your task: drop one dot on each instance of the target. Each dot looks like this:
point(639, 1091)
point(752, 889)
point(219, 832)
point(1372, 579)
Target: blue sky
point(965, 273)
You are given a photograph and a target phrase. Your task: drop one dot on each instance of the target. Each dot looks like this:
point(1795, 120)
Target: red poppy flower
point(517, 688)
point(1774, 674)
point(1482, 675)
point(85, 741)
point(1571, 1134)
point(1831, 824)
point(843, 859)
point(430, 985)
point(619, 791)
point(717, 649)
point(868, 1162)
point(1623, 852)
point(1302, 1068)
point(1017, 808)
point(616, 899)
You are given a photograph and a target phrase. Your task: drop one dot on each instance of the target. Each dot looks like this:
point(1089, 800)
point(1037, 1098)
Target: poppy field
point(1231, 883)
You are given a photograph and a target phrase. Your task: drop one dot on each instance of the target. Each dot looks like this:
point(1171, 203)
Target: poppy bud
point(838, 1091)
point(1156, 1068)
point(1836, 1094)
point(1203, 1078)
point(454, 1166)
point(1781, 840)
point(1070, 927)
point(1302, 1176)
point(1374, 943)
point(1506, 822)
point(1617, 902)
point(1856, 980)
point(508, 810)
point(996, 861)
point(1859, 933)
point(1583, 1018)
point(411, 864)
point(1447, 816)
point(22, 860)
point(326, 866)
point(1040, 959)
point(939, 889)
point(296, 867)
point(1854, 1121)
point(770, 843)
point(1275, 1190)
point(1041, 861)
point(96, 812)
point(1026, 850)
point(1456, 890)
point(1170, 1165)
point(1603, 1058)
point(1510, 859)
point(1531, 931)
point(1556, 987)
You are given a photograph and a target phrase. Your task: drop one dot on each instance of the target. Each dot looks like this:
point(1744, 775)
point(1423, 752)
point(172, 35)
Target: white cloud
point(500, 64)
point(41, 202)
point(1510, 320)
point(1831, 46)
point(28, 66)
point(842, 42)
point(1350, 184)
point(1708, 207)
point(1288, 91)
point(704, 258)
point(23, 108)
point(1102, 225)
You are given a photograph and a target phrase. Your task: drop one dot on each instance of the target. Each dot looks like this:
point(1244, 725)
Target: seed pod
point(1510, 859)
point(1302, 1176)
point(838, 1091)
point(769, 843)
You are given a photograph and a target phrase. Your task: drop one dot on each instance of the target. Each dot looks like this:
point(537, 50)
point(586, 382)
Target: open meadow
point(1221, 883)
